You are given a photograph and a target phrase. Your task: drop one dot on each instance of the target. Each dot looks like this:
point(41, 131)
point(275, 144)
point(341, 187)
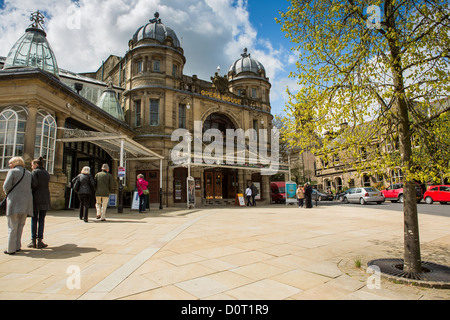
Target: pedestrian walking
point(19, 203)
point(254, 193)
point(142, 192)
point(248, 194)
point(40, 179)
point(104, 183)
point(308, 195)
point(84, 189)
point(300, 196)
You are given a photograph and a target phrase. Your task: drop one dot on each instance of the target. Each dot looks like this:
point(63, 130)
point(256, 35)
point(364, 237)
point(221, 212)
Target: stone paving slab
point(229, 253)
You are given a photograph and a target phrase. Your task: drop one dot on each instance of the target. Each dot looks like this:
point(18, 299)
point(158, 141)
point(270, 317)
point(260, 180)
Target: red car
point(394, 193)
point(437, 193)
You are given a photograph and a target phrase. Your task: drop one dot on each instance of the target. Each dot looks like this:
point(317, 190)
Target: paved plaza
point(228, 253)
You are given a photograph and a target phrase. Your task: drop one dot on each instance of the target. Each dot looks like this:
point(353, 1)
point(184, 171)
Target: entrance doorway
point(220, 183)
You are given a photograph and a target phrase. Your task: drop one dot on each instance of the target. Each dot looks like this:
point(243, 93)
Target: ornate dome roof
point(109, 103)
point(33, 49)
point(247, 64)
point(155, 29)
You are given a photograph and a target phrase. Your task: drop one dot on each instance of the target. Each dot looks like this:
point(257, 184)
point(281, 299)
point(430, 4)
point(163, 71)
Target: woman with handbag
point(141, 185)
point(84, 186)
point(17, 187)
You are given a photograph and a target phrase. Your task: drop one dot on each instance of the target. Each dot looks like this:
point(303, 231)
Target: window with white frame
point(13, 121)
point(45, 142)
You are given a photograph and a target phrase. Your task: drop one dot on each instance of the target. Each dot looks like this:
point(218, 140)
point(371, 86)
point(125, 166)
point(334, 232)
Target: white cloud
point(84, 33)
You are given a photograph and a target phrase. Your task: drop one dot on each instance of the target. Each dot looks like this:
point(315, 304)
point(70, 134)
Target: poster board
point(190, 192)
point(135, 201)
point(112, 202)
point(258, 186)
point(239, 201)
point(291, 192)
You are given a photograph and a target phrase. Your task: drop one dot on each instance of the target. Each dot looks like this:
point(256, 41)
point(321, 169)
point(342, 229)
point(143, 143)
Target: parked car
point(363, 195)
point(437, 193)
point(278, 190)
point(320, 195)
point(340, 195)
point(394, 193)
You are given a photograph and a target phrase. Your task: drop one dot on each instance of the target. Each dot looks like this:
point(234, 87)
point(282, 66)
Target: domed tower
point(32, 50)
point(247, 78)
point(155, 60)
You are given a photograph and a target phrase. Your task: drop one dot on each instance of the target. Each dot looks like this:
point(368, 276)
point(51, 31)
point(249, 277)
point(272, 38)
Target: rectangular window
point(154, 112)
point(182, 116)
point(137, 109)
point(139, 66)
point(156, 65)
point(254, 93)
point(174, 70)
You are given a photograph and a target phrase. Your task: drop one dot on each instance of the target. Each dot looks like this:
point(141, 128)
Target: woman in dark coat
point(86, 188)
point(40, 179)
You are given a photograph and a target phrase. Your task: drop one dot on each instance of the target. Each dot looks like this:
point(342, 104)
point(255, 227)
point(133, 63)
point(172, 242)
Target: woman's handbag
point(3, 202)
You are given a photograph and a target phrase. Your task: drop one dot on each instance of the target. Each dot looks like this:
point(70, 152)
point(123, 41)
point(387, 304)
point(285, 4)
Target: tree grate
point(432, 275)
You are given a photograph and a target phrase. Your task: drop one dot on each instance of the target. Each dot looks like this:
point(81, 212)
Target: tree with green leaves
point(381, 67)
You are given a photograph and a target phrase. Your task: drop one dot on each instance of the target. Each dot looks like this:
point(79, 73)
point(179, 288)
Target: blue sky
point(213, 33)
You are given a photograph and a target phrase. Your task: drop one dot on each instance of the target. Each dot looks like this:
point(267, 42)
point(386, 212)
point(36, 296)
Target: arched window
point(13, 121)
point(45, 142)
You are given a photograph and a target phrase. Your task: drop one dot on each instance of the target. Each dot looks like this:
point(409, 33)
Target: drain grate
point(431, 272)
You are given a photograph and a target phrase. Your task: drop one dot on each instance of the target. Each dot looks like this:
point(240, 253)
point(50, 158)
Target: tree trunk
point(412, 257)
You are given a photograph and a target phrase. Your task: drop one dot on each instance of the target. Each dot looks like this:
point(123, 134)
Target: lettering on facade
point(218, 96)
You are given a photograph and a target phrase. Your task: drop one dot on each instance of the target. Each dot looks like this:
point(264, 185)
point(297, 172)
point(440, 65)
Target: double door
point(220, 184)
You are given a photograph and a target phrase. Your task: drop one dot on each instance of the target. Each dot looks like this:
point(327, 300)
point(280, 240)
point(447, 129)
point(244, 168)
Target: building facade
point(125, 114)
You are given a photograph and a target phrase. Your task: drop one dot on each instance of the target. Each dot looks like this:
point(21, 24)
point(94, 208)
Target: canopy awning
point(111, 143)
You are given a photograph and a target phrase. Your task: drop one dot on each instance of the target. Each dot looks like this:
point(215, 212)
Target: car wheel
point(400, 198)
point(378, 202)
point(443, 202)
point(362, 201)
point(345, 200)
point(428, 200)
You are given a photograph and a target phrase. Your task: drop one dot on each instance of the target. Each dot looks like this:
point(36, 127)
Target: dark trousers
point(308, 202)
point(248, 200)
point(300, 202)
point(142, 202)
point(84, 205)
point(253, 200)
point(37, 224)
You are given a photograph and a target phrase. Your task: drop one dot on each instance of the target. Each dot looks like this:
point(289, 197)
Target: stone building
point(125, 114)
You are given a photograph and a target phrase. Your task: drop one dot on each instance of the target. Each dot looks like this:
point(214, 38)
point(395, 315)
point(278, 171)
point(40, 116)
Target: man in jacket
point(104, 186)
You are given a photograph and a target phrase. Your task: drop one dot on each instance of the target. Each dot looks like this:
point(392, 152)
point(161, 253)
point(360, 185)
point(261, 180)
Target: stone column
point(30, 135)
point(59, 149)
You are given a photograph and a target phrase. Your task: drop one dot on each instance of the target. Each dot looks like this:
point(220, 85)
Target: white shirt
point(248, 192)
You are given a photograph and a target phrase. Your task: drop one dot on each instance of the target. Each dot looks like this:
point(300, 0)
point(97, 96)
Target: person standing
point(86, 188)
point(308, 195)
point(254, 193)
point(103, 187)
point(40, 179)
point(141, 185)
point(19, 205)
point(248, 194)
point(300, 196)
